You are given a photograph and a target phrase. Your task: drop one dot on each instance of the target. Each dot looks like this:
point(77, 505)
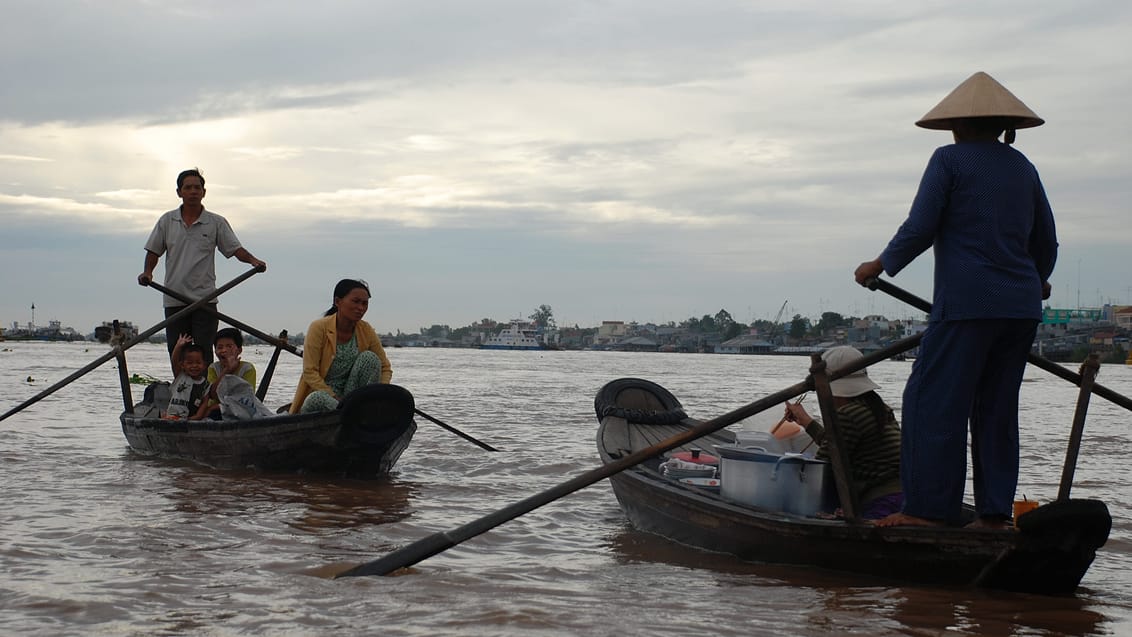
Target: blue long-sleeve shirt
point(982, 207)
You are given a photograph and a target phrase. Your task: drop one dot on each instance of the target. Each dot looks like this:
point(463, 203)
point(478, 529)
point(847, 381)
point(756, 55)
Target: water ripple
point(98, 540)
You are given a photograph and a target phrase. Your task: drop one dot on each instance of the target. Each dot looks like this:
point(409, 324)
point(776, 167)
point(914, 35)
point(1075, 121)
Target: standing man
point(983, 209)
point(189, 237)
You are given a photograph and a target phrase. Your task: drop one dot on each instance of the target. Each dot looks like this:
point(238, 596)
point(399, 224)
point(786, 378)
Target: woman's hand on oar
point(786, 416)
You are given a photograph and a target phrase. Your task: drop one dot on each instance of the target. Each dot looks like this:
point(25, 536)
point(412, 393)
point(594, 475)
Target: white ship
point(517, 335)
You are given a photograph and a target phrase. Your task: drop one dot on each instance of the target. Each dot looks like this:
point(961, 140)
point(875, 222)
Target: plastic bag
point(237, 401)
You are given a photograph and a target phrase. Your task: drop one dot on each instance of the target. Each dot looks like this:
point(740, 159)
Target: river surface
point(97, 540)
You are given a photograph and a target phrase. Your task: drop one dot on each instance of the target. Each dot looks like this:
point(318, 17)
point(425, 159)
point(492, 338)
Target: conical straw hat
point(979, 96)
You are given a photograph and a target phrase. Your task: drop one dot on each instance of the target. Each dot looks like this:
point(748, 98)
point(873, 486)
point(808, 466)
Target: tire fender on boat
point(640, 401)
point(377, 413)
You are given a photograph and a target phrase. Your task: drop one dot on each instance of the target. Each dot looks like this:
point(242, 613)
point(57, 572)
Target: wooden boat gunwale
point(344, 440)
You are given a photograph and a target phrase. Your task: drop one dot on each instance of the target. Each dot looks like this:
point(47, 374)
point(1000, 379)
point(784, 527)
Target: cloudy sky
point(616, 160)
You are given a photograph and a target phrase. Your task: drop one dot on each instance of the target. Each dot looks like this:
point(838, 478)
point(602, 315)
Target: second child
point(229, 344)
point(229, 347)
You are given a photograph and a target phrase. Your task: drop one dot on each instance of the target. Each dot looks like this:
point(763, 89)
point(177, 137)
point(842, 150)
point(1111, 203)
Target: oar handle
point(899, 293)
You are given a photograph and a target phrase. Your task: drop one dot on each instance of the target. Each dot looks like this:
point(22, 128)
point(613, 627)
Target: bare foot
point(902, 519)
point(994, 523)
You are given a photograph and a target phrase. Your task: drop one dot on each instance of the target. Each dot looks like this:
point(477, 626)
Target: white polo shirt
point(190, 265)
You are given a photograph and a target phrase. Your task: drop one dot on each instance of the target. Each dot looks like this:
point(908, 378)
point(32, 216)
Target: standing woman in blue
point(982, 208)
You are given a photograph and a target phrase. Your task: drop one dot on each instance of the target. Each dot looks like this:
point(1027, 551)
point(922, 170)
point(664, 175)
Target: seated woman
point(342, 352)
point(869, 432)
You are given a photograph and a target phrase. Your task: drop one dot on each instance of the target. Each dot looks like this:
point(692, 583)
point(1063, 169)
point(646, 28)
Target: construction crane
point(777, 318)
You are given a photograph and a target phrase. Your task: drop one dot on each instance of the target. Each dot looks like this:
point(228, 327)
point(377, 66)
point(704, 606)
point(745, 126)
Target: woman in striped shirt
point(869, 432)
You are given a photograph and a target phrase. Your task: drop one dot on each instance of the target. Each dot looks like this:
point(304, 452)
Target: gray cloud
point(612, 159)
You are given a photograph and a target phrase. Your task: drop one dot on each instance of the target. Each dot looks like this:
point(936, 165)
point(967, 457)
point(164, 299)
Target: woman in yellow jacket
point(341, 353)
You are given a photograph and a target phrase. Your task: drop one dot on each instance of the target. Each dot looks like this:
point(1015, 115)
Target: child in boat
point(190, 385)
point(229, 344)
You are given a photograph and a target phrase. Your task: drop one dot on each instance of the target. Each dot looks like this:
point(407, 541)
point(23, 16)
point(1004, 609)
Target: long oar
point(264, 336)
point(1037, 361)
point(117, 350)
point(456, 431)
point(439, 542)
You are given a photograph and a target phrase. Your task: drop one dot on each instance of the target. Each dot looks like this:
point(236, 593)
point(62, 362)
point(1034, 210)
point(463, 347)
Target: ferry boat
point(55, 331)
point(517, 335)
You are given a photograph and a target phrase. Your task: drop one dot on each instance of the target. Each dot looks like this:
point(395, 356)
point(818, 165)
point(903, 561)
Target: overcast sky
point(616, 160)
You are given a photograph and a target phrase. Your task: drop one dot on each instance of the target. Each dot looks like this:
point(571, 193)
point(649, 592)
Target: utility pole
point(1078, 284)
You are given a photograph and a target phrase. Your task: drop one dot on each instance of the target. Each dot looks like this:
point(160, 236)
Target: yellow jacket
point(319, 348)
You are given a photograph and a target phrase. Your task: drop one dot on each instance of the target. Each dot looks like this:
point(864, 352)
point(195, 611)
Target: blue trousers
point(966, 371)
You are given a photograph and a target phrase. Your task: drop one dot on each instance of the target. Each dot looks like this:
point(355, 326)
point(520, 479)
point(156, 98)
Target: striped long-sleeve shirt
point(873, 448)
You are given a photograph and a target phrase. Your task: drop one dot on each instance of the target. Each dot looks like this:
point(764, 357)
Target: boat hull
point(363, 438)
point(1049, 553)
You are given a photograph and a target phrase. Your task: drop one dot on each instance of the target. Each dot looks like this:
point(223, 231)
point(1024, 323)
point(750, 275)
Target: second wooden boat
point(364, 437)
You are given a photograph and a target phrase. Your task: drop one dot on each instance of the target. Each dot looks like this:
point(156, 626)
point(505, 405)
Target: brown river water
point(97, 540)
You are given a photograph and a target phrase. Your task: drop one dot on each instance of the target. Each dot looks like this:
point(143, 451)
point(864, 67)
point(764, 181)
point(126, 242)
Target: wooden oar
point(117, 350)
point(440, 542)
point(1034, 359)
point(456, 431)
point(268, 338)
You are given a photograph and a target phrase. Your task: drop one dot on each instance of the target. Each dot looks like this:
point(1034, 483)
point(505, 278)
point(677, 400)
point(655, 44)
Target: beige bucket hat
point(980, 96)
point(854, 384)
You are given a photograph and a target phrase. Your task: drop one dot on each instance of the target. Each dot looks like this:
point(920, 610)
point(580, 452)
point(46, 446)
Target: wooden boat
point(364, 437)
point(1049, 552)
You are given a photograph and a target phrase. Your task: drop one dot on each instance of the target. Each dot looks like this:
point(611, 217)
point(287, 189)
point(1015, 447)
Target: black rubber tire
point(1091, 515)
point(377, 413)
point(606, 403)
